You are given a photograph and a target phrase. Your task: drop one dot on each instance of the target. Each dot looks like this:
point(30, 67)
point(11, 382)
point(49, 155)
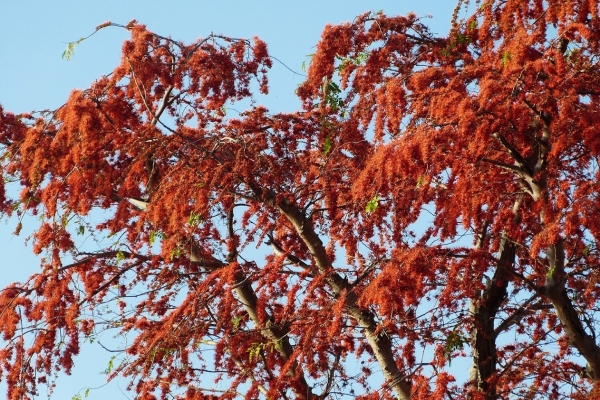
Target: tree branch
point(516, 156)
point(524, 310)
point(380, 342)
point(269, 328)
point(484, 349)
point(556, 292)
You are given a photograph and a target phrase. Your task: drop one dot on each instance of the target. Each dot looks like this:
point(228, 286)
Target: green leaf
point(195, 219)
point(506, 58)
point(454, 342)
point(333, 88)
point(359, 59)
point(120, 256)
point(68, 53)
point(152, 238)
point(278, 345)
point(236, 322)
point(87, 392)
point(332, 95)
point(256, 348)
point(81, 230)
point(462, 39)
point(155, 235)
point(254, 351)
point(586, 250)
point(304, 65)
point(111, 365)
point(326, 145)
point(372, 204)
point(175, 253)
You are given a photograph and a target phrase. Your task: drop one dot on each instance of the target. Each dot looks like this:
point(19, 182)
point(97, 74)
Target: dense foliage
point(435, 200)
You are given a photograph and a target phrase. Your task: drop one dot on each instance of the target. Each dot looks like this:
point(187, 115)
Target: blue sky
point(34, 34)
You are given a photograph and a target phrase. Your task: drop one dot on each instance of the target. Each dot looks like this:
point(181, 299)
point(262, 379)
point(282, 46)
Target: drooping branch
point(269, 328)
point(380, 342)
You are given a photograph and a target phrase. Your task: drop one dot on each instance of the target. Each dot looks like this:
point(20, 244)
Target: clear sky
point(34, 34)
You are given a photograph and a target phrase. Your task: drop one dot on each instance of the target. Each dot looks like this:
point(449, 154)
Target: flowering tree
point(434, 200)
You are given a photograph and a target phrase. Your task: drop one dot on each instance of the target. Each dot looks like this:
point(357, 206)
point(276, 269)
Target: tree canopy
point(434, 200)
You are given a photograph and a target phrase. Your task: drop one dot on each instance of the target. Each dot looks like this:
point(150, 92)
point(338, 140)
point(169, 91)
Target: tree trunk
point(484, 311)
point(568, 316)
